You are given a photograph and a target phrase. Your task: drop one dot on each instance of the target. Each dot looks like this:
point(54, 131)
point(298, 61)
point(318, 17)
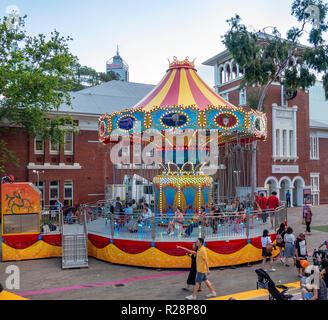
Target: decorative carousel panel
point(190, 192)
point(174, 118)
point(192, 188)
point(259, 125)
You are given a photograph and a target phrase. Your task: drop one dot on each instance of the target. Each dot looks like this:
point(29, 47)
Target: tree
point(85, 77)
point(267, 58)
point(35, 79)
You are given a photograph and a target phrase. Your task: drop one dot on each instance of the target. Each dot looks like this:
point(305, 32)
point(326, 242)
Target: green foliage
point(35, 79)
point(266, 58)
point(85, 77)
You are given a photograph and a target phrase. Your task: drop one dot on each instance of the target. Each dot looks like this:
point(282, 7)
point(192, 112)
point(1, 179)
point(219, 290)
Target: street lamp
point(37, 173)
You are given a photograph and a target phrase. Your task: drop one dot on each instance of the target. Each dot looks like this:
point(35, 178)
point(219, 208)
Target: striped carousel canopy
point(182, 100)
point(181, 86)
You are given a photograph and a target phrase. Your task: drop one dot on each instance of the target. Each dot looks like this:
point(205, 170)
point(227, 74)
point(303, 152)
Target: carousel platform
point(151, 247)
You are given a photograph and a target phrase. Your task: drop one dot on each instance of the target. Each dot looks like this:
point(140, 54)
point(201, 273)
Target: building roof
point(112, 96)
point(318, 125)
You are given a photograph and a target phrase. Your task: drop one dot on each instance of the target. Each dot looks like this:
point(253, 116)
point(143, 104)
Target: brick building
point(289, 159)
point(78, 171)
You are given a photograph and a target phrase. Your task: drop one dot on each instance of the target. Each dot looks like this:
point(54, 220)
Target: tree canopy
point(84, 77)
point(266, 58)
point(37, 74)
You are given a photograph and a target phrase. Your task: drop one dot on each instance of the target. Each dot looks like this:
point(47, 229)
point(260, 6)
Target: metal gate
point(74, 245)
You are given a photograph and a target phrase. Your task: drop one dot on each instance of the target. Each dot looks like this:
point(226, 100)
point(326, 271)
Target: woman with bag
point(308, 220)
point(289, 240)
point(267, 249)
point(280, 241)
point(191, 281)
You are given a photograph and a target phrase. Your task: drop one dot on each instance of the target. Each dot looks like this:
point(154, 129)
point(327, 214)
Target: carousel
point(183, 148)
point(192, 139)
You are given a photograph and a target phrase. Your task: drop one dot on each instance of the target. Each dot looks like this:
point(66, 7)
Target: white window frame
point(54, 187)
point(51, 150)
point(69, 187)
point(36, 151)
point(242, 97)
point(314, 148)
point(312, 177)
point(315, 192)
point(72, 150)
point(225, 96)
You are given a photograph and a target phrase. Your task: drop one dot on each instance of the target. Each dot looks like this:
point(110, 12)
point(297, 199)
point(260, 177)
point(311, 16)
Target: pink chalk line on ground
point(103, 284)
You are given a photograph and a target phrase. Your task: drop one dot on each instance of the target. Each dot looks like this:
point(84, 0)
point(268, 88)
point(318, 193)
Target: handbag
point(303, 221)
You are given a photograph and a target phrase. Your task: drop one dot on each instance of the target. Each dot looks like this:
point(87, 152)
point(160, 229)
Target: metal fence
point(221, 226)
point(50, 221)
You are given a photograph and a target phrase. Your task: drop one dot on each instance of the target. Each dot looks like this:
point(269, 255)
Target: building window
point(242, 97)
point(41, 188)
point(38, 145)
point(68, 143)
point(291, 143)
point(277, 142)
point(68, 193)
point(315, 182)
point(53, 192)
point(284, 143)
point(314, 148)
point(225, 96)
point(315, 188)
point(54, 147)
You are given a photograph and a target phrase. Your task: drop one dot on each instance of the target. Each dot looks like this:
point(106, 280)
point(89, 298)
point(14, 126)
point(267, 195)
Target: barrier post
point(247, 225)
point(153, 222)
point(112, 224)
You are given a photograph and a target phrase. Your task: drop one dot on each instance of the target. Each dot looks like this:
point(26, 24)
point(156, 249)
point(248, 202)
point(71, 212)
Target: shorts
point(200, 277)
point(308, 295)
point(298, 265)
point(265, 253)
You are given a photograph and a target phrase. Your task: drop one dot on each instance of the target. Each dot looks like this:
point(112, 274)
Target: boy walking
point(202, 271)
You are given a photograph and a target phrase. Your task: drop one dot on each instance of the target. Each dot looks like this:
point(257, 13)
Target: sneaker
point(272, 270)
point(171, 234)
point(191, 297)
point(210, 295)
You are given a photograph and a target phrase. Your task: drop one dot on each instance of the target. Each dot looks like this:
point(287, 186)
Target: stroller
point(265, 282)
point(318, 256)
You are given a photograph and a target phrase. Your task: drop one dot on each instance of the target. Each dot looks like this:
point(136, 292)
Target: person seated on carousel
point(142, 219)
point(214, 218)
point(69, 217)
point(240, 217)
point(128, 211)
point(177, 221)
point(198, 220)
point(232, 212)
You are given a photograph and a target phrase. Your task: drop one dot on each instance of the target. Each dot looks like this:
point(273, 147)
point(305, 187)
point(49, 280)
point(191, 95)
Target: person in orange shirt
point(202, 271)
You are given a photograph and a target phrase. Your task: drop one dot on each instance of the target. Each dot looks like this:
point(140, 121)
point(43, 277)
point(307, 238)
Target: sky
point(148, 32)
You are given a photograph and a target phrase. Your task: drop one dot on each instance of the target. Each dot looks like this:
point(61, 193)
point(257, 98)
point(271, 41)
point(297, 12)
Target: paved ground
point(98, 281)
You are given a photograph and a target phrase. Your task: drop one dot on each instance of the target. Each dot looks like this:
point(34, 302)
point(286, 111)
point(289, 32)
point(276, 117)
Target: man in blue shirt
point(58, 205)
point(288, 198)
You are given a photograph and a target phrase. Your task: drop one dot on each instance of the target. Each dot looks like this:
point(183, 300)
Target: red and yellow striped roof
point(182, 86)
